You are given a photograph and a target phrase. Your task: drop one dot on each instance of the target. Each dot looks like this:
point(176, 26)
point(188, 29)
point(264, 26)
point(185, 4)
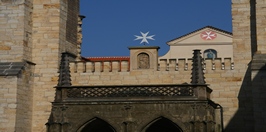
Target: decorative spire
point(64, 71)
point(197, 69)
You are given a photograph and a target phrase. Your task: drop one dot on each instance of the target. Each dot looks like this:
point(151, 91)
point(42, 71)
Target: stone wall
point(162, 65)
point(258, 77)
point(16, 96)
point(133, 117)
point(69, 12)
point(101, 73)
point(258, 64)
point(49, 41)
point(46, 21)
point(241, 114)
point(249, 43)
point(27, 37)
point(231, 86)
point(8, 103)
point(35, 30)
point(24, 99)
point(259, 18)
point(224, 82)
point(15, 21)
point(16, 83)
point(258, 90)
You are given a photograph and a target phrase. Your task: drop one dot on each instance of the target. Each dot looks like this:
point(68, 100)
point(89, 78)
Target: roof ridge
point(220, 30)
point(109, 57)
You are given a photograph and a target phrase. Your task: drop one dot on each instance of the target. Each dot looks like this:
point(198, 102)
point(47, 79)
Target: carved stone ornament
point(143, 61)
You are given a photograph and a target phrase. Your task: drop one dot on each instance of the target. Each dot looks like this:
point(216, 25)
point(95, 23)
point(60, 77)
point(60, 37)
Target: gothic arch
point(96, 125)
point(136, 62)
point(162, 124)
point(143, 51)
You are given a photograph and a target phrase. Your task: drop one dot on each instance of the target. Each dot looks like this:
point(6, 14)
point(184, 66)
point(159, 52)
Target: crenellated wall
point(164, 65)
point(223, 79)
point(94, 73)
point(39, 31)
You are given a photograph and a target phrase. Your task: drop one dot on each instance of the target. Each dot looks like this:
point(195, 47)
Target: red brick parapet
point(109, 59)
point(97, 59)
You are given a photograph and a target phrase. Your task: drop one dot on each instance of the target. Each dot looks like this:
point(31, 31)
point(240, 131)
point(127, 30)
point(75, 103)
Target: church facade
point(41, 63)
point(134, 107)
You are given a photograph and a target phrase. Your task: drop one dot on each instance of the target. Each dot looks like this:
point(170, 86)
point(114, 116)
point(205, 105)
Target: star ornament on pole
point(144, 38)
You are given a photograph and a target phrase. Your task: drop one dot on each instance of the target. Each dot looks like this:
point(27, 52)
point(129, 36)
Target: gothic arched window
point(143, 61)
point(210, 54)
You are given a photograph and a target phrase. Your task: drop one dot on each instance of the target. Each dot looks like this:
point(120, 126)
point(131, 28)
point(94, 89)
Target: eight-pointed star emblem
point(208, 35)
point(144, 37)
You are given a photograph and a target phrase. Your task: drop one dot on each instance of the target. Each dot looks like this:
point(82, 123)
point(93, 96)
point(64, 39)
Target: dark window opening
point(210, 54)
point(163, 125)
point(98, 125)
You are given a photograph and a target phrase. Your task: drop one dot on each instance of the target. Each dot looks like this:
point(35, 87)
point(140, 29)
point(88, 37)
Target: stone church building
point(209, 80)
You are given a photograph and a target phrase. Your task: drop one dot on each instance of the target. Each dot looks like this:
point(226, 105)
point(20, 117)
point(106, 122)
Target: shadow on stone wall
point(259, 92)
point(251, 116)
point(253, 26)
point(248, 97)
point(243, 119)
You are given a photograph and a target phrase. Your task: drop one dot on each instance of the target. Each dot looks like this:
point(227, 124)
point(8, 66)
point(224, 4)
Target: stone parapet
point(123, 65)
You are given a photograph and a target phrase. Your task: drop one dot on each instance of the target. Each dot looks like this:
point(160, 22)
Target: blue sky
point(110, 25)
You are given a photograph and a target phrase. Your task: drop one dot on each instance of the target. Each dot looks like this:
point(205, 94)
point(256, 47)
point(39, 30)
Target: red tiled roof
point(94, 59)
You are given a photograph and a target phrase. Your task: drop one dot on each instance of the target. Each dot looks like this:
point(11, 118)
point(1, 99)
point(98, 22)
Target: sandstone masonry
point(35, 33)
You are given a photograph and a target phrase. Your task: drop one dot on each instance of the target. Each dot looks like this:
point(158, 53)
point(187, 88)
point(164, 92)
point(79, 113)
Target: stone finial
point(64, 71)
point(197, 69)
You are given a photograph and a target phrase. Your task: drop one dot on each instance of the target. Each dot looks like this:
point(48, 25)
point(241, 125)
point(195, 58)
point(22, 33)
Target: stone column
point(79, 37)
